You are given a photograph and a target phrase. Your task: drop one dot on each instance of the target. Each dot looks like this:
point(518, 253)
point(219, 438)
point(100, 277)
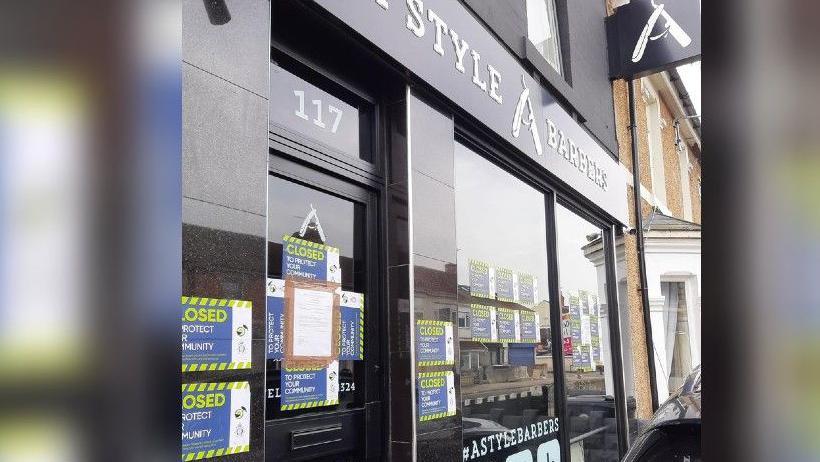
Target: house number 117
point(318, 121)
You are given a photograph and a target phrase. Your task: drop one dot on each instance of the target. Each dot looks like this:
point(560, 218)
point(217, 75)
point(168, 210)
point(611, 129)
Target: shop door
point(321, 247)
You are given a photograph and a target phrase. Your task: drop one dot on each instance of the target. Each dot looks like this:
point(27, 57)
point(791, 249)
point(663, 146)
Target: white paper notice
point(312, 322)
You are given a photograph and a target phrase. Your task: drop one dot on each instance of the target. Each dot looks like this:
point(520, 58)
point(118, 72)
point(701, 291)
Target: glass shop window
point(542, 30)
point(585, 333)
point(507, 375)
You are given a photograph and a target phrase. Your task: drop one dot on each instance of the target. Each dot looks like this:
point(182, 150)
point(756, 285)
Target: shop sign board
point(215, 334)
point(649, 36)
point(436, 394)
point(445, 45)
point(483, 323)
point(434, 343)
point(215, 419)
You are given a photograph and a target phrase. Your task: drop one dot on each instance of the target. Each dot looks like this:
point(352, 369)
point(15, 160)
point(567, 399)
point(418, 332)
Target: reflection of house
point(672, 249)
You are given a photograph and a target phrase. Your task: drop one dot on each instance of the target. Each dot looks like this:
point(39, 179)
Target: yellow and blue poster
point(216, 334)
point(483, 323)
point(351, 338)
point(527, 289)
point(530, 327)
point(308, 388)
point(505, 282)
point(215, 419)
point(310, 260)
point(509, 326)
point(436, 395)
point(275, 319)
point(434, 343)
point(482, 279)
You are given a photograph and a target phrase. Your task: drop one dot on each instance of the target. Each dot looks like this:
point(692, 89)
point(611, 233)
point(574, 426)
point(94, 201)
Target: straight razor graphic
point(671, 27)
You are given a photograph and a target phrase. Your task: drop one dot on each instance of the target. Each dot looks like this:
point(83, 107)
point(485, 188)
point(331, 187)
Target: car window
point(678, 443)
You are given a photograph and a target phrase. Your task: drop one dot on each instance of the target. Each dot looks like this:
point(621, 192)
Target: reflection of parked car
point(477, 428)
point(673, 434)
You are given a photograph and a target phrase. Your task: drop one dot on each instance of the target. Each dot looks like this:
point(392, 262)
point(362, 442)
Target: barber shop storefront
point(411, 260)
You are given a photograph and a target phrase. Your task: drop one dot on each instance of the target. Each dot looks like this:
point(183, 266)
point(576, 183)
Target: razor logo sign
point(669, 26)
point(557, 139)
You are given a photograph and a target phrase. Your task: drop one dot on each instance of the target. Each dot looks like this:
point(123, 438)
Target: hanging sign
point(436, 394)
point(527, 289)
point(482, 279)
point(509, 325)
point(310, 260)
point(530, 327)
point(275, 319)
point(434, 343)
point(216, 334)
point(351, 335)
point(311, 387)
point(649, 36)
point(483, 323)
point(215, 419)
point(505, 285)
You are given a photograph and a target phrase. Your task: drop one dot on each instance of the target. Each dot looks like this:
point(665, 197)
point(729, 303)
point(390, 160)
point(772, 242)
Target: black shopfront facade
point(464, 203)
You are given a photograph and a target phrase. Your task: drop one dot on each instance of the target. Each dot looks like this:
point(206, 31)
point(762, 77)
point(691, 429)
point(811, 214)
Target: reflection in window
point(542, 30)
point(507, 380)
point(585, 332)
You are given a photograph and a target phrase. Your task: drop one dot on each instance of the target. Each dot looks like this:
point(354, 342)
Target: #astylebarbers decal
point(483, 323)
point(536, 442)
point(310, 260)
point(436, 393)
point(215, 334)
point(443, 43)
point(215, 419)
point(434, 343)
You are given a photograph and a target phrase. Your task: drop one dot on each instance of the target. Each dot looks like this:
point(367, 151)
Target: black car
point(673, 434)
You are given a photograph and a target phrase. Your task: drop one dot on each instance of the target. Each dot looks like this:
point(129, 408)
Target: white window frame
point(654, 132)
point(553, 30)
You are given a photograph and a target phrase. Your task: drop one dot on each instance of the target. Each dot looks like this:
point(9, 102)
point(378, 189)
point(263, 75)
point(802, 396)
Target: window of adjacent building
point(586, 353)
point(507, 374)
point(683, 159)
point(653, 128)
point(677, 358)
point(542, 30)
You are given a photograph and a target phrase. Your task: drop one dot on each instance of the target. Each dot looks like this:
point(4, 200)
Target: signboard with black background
point(649, 36)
